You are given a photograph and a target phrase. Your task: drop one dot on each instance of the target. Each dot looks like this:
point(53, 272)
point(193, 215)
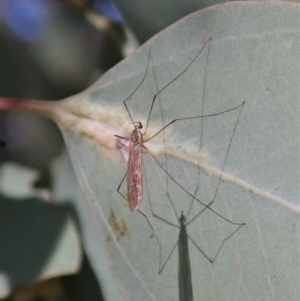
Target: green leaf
point(38, 240)
point(66, 189)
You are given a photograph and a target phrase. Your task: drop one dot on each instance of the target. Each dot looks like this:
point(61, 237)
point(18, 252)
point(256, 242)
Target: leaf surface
point(252, 57)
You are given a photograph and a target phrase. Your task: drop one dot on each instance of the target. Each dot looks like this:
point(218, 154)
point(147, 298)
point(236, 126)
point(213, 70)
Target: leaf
point(66, 189)
point(252, 57)
point(38, 240)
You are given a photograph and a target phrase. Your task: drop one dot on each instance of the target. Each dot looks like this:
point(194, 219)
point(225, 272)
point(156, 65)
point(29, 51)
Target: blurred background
point(49, 50)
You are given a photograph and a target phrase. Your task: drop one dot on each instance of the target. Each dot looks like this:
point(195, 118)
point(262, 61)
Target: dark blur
point(48, 50)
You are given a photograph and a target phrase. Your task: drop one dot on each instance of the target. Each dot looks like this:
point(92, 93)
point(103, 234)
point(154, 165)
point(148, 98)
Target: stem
point(41, 107)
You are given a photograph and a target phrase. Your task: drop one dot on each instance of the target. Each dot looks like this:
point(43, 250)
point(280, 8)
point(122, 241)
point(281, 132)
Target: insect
point(185, 286)
point(134, 173)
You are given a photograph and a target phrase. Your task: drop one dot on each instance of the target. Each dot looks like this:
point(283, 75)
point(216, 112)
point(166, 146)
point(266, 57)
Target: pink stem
point(41, 107)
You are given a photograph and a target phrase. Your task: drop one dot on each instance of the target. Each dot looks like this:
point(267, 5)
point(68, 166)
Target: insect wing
point(135, 172)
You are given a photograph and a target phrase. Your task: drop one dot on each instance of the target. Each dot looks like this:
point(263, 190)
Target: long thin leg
point(145, 216)
point(201, 130)
point(174, 79)
point(157, 216)
point(224, 163)
point(161, 267)
point(118, 190)
point(200, 140)
point(195, 117)
point(120, 137)
point(164, 220)
point(149, 55)
point(190, 193)
point(211, 260)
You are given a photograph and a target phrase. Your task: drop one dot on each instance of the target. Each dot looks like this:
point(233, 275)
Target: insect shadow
point(134, 172)
point(185, 286)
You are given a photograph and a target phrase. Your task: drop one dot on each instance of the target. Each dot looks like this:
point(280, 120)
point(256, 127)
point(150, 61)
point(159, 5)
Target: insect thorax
point(136, 136)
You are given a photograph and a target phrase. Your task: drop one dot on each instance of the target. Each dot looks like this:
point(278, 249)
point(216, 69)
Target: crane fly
point(134, 173)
